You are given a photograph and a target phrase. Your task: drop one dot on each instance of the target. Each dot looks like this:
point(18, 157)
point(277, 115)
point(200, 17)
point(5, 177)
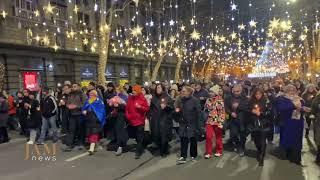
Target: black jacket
point(48, 107)
point(189, 117)
point(161, 119)
point(262, 122)
point(34, 115)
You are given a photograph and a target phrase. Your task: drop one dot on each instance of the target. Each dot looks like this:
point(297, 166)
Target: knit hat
point(137, 89)
point(215, 89)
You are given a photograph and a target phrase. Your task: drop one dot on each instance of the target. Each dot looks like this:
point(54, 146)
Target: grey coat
point(4, 108)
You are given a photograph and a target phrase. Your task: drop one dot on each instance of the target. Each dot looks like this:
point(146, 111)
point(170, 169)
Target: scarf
point(296, 100)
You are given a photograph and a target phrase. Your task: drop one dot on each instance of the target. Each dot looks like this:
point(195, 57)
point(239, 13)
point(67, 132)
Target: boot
point(119, 151)
point(261, 159)
point(91, 150)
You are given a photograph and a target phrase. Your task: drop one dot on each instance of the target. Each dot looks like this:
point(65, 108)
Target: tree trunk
point(156, 69)
point(103, 56)
point(177, 72)
point(2, 73)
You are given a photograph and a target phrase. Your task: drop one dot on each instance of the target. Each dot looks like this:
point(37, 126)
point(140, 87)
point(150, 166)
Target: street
point(105, 165)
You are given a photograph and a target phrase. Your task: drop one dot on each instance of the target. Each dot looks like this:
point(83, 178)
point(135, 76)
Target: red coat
point(136, 115)
point(12, 107)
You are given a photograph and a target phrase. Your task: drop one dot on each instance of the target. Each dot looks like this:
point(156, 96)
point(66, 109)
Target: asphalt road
point(104, 165)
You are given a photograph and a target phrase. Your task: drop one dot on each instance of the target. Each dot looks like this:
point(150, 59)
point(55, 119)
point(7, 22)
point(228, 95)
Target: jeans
point(74, 130)
point(184, 147)
point(45, 128)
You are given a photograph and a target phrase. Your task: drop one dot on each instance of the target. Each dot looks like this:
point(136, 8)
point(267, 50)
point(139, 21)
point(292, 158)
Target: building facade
point(46, 42)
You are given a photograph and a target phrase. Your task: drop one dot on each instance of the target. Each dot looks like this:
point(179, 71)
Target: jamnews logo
point(41, 152)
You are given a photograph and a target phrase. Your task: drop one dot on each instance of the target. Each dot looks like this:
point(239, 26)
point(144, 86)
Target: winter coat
point(291, 130)
point(315, 109)
point(161, 119)
point(34, 115)
point(4, 109)
point(189, 117)
point(136, 115)
point(77, 98)
point(262, 122)
point(216, 113)
point(49, 107)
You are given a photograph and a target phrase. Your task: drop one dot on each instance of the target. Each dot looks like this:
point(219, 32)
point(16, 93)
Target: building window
point(24, 4)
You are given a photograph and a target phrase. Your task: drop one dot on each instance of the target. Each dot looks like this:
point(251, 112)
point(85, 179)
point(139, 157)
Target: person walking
point(161, 108)
point(95, 117)
point(118, 105)
point(291, 108)
point(4, 109)
point(75, 102)
point(215, 120)
point(187, 114)
point(49, 110)
point(261, 122)
point(34, 119)
point(136, 110)
point(308, 96)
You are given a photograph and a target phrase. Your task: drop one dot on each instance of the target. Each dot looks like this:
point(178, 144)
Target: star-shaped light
point(289, 36)
point(195, 35)
point(182, 28)
point(85, 41)
point(127, 42)
point(136, 2)
point(164, 42)
point(76, 9)
point(136, 31)
point(216, 38)
point(46, 40)
point(253, 23)
point(49, 8)
point(71, 34)
point(192, 21)
point(37, 38)
point(171, 22)
point(222, 38)
point(306, 29)
point(37, 13)
point(233, 35)
point(274, 24)
point(114, 49)
point(160, 51)
point(233, 7)
point(55, 47)
point(242, 27)
point(286, 25)
point(4, 14)
point(172, 39)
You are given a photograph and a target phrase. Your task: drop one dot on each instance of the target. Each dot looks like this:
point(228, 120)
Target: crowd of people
point(155, 115)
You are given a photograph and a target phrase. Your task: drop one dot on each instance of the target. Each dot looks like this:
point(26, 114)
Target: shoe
point(207, 156)
point(241, 153)
point(80, 148)
point(119, 151)
point(261, 163)
point(40, 143)
point(138, 156)
point(193, 159)
point(218, 154)
point(181, 160)
point(91, 149)
point(67, 149)
point(30, 142)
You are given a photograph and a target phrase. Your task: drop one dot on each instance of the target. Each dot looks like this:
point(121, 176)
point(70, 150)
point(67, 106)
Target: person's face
point(185, 93)
point(75, 87)
point(20, 95)
point(92, 95)
point(193, 86)
point(198, 87)
point(26, 93)
point(237, 91)
point(292, 92)
point(159, 90)
point(31, 96)
point(126, 86)
point(110, 88)
point(65, 89)
point(265, 87)
point(310, 89)
point(134, 93)
point(90, 87)
point(220, 92)
point(258, 95)
point(297, 84)
point(144, 91)
point(153, 86)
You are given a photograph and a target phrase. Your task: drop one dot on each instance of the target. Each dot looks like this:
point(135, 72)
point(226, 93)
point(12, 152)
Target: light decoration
point(4, 14)
point(49, 8)
point(195, 35)
point(253, 23)
point(136, 31)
